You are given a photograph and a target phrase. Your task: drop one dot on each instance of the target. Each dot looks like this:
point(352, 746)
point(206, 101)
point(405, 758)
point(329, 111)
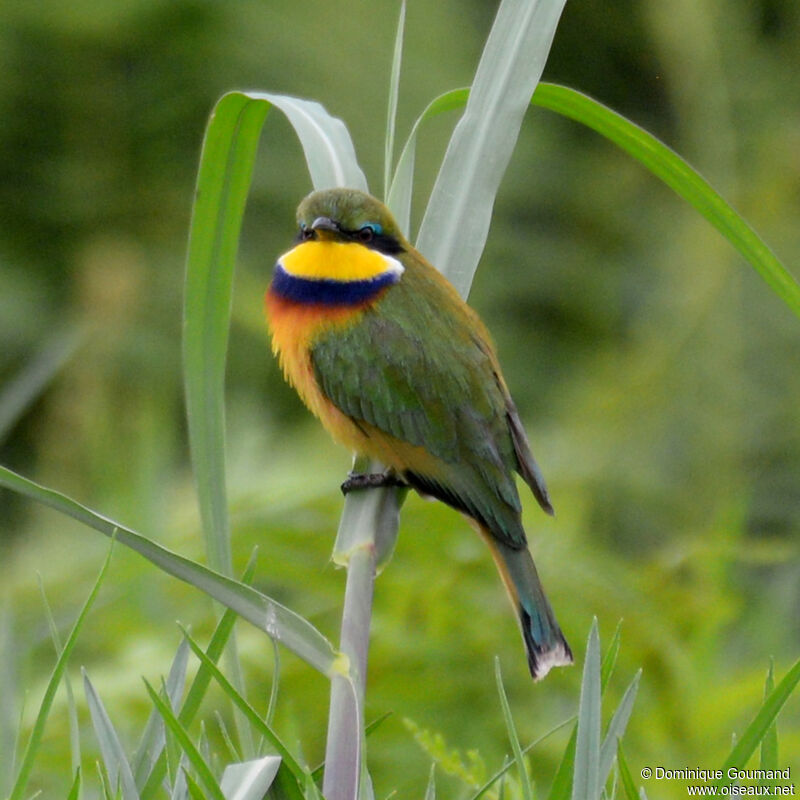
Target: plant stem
point(366, 537)
point(345, 724)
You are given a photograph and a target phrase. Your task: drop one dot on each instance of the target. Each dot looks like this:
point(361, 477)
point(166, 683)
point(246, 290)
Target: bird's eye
point(306, 233)
point(367, 233)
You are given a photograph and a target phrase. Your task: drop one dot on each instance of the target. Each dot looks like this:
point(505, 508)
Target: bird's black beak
point(324, 224)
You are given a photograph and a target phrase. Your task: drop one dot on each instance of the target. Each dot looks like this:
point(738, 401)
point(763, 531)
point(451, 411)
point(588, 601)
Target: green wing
point(414, 367)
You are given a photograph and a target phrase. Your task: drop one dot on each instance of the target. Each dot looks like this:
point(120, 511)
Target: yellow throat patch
point(337, 261)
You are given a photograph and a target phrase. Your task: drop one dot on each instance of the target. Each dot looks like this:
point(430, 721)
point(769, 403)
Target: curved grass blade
point(294, 632)
point(507, 764)
point(524, 778)
point(394, 91)
point(586, 777)
point(768, 757)
point(759, 727)
point(616, 729)
point(456, 222)
point(153, 738)
point(679, 176)
point(199, 686)
point(628, 786)
point(207, 778)
point(18, 790)
point(226, 168)
point(398, 197)
point(116, 762)
point(72, 711)
point(249, 712)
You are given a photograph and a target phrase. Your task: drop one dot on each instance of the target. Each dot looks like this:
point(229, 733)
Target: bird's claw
point(371, 480)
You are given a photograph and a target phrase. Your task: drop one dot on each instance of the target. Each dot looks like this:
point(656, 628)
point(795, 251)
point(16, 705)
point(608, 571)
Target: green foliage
point(666, 382)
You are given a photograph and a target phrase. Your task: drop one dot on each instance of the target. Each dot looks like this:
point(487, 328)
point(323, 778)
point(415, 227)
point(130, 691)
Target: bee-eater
point(381, 347)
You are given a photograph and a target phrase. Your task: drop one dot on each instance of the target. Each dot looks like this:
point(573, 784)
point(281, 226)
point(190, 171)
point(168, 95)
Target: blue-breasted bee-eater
point(380, 346)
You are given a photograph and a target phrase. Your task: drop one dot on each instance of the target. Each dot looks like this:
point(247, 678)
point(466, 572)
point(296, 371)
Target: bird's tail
point(545, 644)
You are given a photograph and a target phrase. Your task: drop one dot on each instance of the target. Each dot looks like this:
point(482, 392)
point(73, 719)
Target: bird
point(381, 348)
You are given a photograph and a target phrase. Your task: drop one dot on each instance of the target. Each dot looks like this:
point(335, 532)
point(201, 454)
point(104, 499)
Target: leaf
point(769, 744)
point(248, 711)
point(72, 712)
point(679, 176)
point(562, 782)
point(18, 790)
point(430, 791)
point(398, 198)
point(524, 778)
point(294, 632)
point(189, 750)
point(456, 222)
point(586, 777)
point(75, 790)
point(759, 727)
point(394, 91)
point(610, 658)
point(616, 729)
point(226, 168)
point(249, 780)
point(507, 764)
point(153, 738)
point(628, 785)
point(116, 763)
point(202, 679)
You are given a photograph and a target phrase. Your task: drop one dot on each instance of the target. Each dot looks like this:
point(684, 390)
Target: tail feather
point(544, 642)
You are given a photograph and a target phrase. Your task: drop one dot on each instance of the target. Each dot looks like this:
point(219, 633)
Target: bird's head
point(348, 251)
point(349, 215)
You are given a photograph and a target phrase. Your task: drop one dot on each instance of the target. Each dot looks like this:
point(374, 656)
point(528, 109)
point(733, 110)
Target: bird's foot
point(371, 480)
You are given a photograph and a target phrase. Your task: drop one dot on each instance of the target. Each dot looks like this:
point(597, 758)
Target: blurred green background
point(657, 374)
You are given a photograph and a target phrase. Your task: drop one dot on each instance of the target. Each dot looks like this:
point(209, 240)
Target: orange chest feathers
point(294, 327)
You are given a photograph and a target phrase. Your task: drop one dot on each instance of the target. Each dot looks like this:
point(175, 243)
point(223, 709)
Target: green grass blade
point(561, 788)
point(507, 764)
point(250, 714)
point(72, 712)
point(226, 167)
point(153, 738)
point(456, 222)
point(394, 91)
point(679, 176)
point(9, 729)
point(75, 790)
point(200, 684)
point(18, 395)
point(759, 727)
point(191, 752)
point(292, 630)
point(430, 790)
point(116, 762)
point(628, 786)
point(18, 790)
point(399, 196)
point(193, 789)
point(610, 658)
point(616, 728)
point(524, 778)
point(586, 777)
point(769, 744)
